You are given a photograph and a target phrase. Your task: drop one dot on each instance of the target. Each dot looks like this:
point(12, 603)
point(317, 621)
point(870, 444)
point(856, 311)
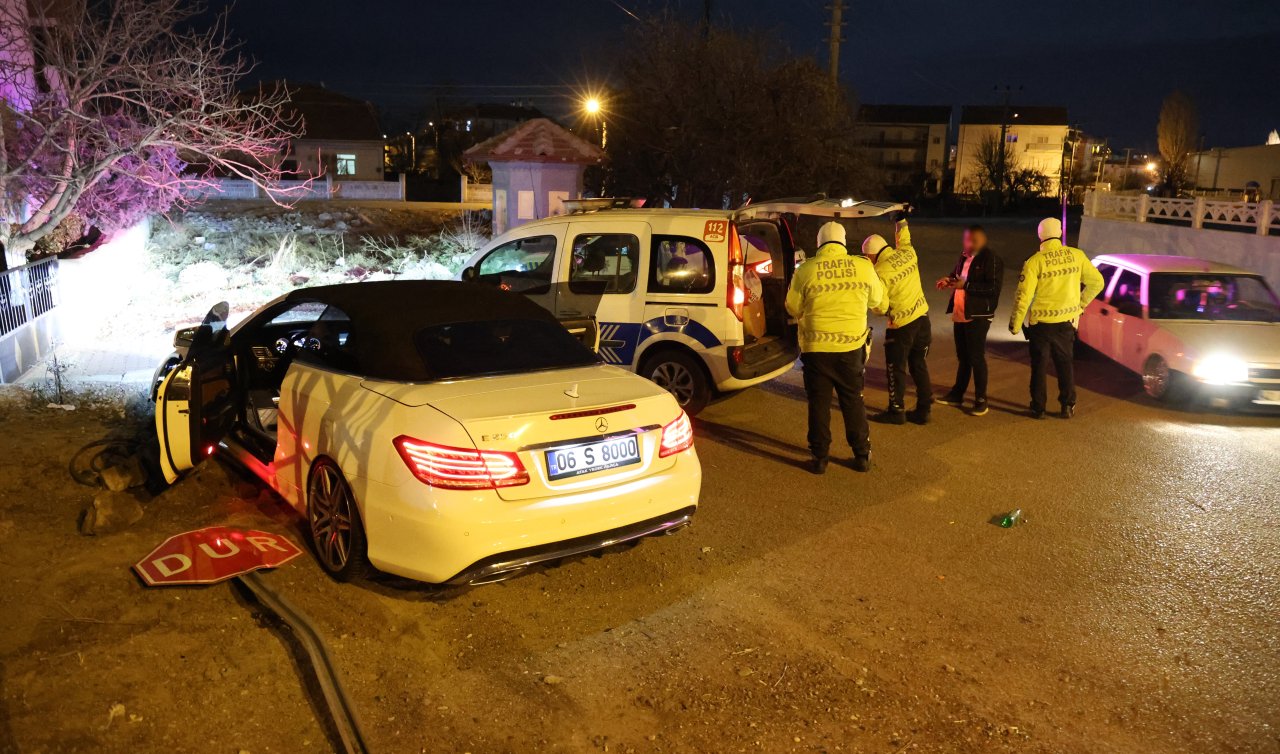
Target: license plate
point(1268, 396)
point(588, 458)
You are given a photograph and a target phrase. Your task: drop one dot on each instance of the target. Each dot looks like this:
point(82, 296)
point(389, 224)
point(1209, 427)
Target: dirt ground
point(1137, 609)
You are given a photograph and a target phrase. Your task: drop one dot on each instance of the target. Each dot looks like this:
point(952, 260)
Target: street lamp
point(594, 110)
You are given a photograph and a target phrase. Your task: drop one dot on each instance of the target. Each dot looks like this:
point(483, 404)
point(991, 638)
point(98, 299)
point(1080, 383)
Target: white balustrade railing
point(1259, 217)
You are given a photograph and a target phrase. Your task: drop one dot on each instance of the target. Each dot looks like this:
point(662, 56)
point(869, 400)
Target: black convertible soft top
point(387, 314)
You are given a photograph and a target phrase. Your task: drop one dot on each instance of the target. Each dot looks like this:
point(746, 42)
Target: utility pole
point(836, 37)
point(1004, 131)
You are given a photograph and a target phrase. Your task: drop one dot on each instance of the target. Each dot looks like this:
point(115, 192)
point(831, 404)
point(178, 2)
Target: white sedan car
point(1188, 326)
point(440, 431)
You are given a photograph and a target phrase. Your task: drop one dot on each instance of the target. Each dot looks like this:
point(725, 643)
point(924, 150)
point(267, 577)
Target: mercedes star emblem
point(602, 425)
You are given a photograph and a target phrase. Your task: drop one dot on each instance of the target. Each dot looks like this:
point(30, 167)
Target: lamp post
point(595, 110)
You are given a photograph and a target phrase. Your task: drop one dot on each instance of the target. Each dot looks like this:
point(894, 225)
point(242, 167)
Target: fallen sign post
point(218, 553)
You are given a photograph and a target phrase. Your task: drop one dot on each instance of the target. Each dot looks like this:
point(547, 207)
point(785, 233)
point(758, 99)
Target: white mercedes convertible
point(441, 431)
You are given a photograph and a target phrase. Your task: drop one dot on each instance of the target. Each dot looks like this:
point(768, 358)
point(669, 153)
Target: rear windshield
point(507, 346)
point(1241, 298)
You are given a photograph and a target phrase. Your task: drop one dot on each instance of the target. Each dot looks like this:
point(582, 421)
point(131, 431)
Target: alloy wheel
point(331, 512)
point(676, 379)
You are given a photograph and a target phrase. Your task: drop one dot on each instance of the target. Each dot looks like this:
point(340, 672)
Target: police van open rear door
point(772, 227)
point(195, 405)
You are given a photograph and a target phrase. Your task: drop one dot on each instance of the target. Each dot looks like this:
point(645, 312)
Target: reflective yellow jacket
point(830, 295)
point(1050, 287)
point(899, 270)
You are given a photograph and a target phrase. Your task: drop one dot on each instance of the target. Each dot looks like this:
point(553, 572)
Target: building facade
point(1233, 170)
point(908, 144)
point(1035, 138)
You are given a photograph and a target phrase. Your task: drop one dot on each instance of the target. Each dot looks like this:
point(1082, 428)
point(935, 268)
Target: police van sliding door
point(602, 262)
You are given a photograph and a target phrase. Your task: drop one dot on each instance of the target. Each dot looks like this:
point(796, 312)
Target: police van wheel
point(681, 375)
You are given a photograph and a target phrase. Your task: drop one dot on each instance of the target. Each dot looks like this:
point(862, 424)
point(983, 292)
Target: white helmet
point(873, 245)
point(1050, 227)
point(832, 232)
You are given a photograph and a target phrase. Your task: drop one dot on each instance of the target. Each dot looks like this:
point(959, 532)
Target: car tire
point(1163, 383)
point(682, 375)
point(334, 525)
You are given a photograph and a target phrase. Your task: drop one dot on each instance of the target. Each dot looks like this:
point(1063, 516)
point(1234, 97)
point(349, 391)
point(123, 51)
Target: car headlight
point(1219, 369)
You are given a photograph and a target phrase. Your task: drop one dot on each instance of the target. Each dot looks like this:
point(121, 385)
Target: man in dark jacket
point(975, 293)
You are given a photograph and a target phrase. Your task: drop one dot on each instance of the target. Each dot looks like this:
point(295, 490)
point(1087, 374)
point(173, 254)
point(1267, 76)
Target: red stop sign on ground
point(207, 556)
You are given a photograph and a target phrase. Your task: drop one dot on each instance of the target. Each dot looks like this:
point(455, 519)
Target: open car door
point(195, 403)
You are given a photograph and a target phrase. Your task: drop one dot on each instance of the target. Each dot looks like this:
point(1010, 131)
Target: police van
point(691, 299)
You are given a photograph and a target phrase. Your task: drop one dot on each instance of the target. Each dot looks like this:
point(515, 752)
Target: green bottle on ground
point(1011, 518)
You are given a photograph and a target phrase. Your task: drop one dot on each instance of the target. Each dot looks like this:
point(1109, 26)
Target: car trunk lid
point(530, 414)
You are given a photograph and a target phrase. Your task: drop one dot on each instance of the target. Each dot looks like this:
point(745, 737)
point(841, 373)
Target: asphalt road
point(1136, 609)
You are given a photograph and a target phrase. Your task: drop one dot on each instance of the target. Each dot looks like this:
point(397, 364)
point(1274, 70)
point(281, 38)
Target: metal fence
point(27, 293)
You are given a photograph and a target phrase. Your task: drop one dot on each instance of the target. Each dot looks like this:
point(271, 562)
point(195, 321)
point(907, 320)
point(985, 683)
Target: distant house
point(1035, 138)
point(341, 137)
point(487, 119)
point(907, 143)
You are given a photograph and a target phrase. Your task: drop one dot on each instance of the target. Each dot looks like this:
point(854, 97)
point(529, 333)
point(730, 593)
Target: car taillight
point(676, 436)
point(737, 291)
point(461, 468)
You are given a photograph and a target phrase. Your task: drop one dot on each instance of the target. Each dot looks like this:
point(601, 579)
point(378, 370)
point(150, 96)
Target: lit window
point(346, 164)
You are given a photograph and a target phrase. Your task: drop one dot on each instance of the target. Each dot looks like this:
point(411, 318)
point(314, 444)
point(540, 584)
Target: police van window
point(679, 264)
point(1127, 295)
point(523, 265)
point(604, 263)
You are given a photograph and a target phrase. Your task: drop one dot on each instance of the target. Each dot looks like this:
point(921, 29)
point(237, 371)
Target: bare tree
point(1176, 134)
point(995, 166)
point(106, 106)
point(705, 114)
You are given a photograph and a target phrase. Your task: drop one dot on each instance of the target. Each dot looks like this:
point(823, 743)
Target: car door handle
point(1104, 311)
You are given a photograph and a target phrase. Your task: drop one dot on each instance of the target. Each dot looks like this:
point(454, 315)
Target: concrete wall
point(1260, 254)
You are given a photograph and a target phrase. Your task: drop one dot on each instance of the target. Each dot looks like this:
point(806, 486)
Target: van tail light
point(737, 289)
point(676, 436)
point(460, 468)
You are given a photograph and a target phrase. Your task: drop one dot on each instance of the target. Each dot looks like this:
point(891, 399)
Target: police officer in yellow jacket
point(907, 340)
point(1057, 282)
point(829, 297)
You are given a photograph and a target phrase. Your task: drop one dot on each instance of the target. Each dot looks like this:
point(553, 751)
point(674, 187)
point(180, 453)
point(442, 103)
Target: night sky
point(1110, 62)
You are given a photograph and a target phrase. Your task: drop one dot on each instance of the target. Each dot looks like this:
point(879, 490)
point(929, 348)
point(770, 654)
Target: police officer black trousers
point(906, 349)
point(1052, 341)
point(842, 372)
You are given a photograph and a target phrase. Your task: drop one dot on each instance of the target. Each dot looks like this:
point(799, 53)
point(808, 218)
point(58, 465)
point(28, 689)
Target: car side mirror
point(185, 337)
point(470, 274)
